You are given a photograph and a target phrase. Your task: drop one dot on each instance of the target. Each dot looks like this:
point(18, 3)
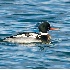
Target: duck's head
point(45, 26)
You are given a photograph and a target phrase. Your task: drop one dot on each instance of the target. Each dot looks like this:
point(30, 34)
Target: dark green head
point(44, 27)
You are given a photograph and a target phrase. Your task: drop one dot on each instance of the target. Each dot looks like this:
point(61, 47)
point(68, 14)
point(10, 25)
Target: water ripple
point(24, 16)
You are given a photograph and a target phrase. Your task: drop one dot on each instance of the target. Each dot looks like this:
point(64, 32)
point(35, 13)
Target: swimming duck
point(29, 37)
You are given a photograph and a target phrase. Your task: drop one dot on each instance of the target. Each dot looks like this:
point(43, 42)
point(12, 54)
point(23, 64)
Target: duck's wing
point(23, 38)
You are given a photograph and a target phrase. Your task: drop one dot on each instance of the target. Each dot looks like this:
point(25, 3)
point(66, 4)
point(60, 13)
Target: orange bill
point(54, 28)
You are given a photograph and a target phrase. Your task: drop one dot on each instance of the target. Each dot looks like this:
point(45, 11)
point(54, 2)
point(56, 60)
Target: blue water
point(24, 16)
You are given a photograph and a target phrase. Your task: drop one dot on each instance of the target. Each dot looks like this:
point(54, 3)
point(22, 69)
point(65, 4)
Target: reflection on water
point(24, 16)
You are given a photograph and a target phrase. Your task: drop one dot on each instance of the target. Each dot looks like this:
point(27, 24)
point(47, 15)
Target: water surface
point(24, 16)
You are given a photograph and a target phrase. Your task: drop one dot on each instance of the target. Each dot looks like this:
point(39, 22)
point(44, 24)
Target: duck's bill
point(54, 28)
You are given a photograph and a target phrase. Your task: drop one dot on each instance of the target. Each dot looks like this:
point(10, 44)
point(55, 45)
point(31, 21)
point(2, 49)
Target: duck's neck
point(43, 33)
point(45, 36)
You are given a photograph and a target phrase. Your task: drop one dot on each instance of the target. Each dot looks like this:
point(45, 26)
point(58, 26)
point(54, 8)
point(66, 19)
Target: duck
point(33, 37)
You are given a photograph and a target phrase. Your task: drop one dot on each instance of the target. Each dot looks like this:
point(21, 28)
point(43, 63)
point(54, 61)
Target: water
point(24, 16)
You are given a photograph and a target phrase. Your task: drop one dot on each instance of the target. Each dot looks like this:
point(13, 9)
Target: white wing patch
point(33, 35)
point(23, 38)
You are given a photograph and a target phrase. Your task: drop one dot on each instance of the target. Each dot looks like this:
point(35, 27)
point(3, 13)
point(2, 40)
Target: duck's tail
point(1, 40)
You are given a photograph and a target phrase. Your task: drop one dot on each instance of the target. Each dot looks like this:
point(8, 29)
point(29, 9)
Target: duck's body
point(29, 37)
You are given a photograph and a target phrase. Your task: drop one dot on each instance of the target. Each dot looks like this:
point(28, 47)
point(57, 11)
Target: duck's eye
point(48, 28)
